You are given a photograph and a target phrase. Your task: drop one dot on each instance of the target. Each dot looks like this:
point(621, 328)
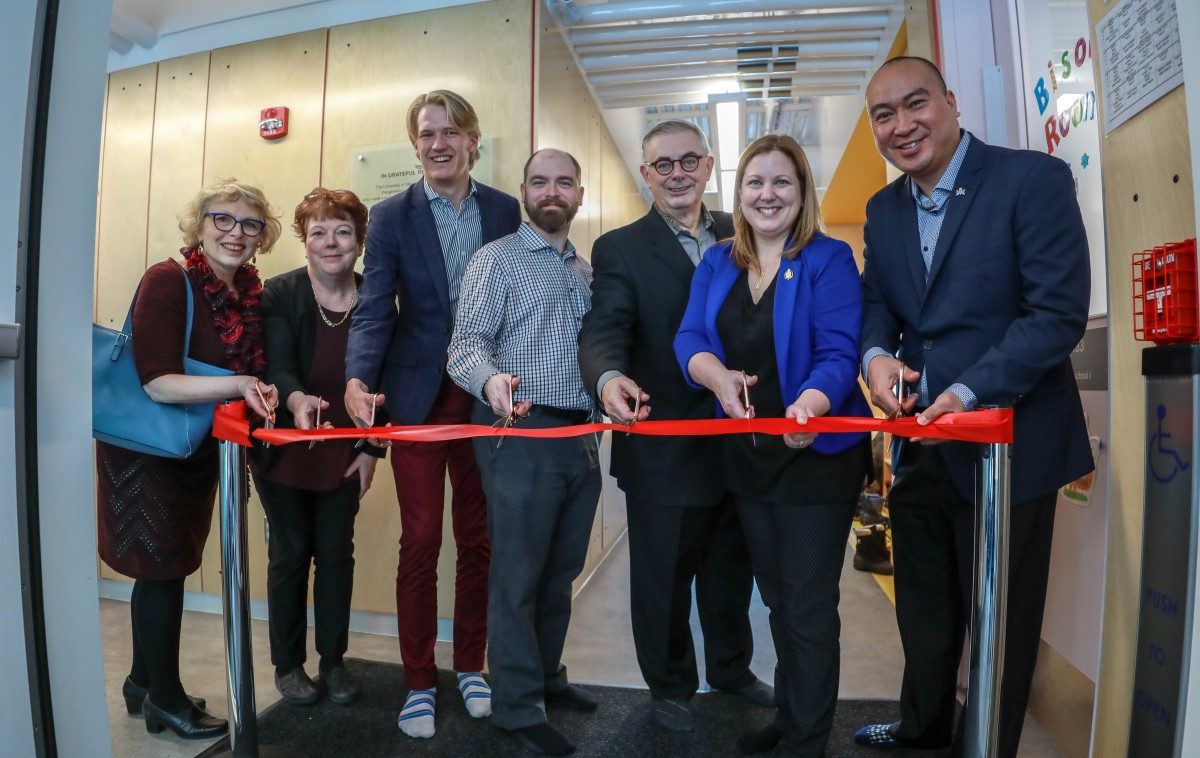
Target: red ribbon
point(230, 424)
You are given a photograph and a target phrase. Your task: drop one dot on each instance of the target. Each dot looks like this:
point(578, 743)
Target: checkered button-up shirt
point(519, 312)
point(460, 230)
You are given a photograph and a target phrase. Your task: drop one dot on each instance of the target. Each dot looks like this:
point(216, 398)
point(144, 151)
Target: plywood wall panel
point(285, 71)
point(376, 68)
point(1141, 158)
point(177, 164)
point(125, 179)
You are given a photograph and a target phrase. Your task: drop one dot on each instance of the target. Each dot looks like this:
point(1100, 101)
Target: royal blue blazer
point(817, 319)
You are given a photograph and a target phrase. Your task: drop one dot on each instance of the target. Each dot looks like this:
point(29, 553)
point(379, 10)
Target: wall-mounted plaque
point(380, 171)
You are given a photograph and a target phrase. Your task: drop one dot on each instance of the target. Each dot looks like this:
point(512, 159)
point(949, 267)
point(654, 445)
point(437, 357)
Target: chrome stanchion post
point(235, 603)
point(990, 599)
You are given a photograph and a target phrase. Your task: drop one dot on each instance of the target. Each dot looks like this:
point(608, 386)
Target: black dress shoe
point(134, 694)
point(761, 740)
point(757, 692)
point(191, 723)
point(573, 697)
point(342, 686)
point(543, 739)
point(297, 688)
point(673, 714)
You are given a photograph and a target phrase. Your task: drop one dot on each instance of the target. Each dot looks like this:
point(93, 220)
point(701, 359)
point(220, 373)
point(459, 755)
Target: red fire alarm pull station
point(273, 122)
point(1165, 303)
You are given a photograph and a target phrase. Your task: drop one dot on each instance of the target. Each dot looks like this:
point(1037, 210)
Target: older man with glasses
point(683, 526)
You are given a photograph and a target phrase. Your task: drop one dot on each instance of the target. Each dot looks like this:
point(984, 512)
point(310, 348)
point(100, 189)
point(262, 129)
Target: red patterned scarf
point(238, 320)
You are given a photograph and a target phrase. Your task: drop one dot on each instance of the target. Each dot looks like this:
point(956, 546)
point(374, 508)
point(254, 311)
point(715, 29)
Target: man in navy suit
point(418, 245)
point(975, 293)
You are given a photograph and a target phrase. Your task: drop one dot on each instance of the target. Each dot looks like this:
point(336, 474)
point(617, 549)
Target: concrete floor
point(599, 650)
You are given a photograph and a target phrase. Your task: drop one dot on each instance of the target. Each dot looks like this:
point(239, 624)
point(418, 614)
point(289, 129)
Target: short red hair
point(324, 203)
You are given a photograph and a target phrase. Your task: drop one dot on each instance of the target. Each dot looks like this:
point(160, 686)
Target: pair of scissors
point(269, 421)
point(511, 419)
point(746, 405)
point(637, 406)
point(317, 423)
point(361, 424)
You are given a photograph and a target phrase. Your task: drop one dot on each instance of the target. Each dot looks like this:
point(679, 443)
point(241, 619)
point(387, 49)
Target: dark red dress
point(154, 514)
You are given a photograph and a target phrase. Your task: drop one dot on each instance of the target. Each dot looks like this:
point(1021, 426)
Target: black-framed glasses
point(665, 166)
point(251, 227)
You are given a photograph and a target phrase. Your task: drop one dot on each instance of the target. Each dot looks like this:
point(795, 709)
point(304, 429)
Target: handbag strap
point(127, 330)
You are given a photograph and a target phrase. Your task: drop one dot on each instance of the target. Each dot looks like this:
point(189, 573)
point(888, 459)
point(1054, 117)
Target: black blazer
point(640, 285)
point(1005, 304)
point(403, 354)
point(290, 335)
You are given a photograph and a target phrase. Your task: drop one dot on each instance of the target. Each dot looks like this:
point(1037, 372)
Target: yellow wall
point(1141, 157)
point(170, 127)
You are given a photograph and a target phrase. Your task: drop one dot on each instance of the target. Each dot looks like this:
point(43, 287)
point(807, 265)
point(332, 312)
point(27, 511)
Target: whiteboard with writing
point(1059, 89)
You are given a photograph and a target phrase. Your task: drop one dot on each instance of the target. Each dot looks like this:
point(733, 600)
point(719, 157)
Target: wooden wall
point(173, 126)
point(1144, 206)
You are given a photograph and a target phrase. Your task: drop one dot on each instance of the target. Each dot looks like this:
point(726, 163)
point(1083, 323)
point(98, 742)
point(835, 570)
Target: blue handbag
point(124, 415)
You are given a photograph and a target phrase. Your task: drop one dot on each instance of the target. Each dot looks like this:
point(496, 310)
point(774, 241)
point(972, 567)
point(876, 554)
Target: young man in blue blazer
point(975, 292)
point(418, 245)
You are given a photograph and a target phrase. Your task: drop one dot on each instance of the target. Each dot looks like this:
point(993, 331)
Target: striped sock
point(416, 719)
point(476, 694)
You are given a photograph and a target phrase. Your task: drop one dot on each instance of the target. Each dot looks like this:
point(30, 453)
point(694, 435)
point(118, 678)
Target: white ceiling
point(795, 66)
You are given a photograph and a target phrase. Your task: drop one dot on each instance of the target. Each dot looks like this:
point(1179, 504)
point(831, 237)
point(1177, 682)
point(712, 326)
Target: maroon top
point(153, 514)
point(323, 467)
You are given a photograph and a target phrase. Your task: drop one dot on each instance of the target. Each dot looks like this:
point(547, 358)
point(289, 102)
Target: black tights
point(157, 612)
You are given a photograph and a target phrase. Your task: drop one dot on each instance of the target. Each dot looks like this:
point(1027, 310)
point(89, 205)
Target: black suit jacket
point(1005, 303)
point(290, 336)
point(640, 285)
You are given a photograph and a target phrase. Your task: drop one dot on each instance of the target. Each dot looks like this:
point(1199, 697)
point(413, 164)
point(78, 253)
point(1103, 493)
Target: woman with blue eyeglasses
point(154, 514)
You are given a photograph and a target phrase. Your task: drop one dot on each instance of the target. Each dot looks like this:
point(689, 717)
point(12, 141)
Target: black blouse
point(761, 467)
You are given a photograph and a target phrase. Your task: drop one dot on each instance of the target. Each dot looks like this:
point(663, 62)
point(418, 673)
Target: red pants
point(420, 471)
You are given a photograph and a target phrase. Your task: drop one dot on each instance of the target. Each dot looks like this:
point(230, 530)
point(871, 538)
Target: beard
point(550, 217)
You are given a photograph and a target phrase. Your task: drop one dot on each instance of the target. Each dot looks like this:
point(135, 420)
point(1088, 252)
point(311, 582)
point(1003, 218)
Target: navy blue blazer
point(1005, 304)
point(817, 315)
point(401, 328)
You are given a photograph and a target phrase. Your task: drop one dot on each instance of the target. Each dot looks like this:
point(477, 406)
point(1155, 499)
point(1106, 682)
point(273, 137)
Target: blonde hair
point(191, 221)
point(458, 110)
point(808, 221)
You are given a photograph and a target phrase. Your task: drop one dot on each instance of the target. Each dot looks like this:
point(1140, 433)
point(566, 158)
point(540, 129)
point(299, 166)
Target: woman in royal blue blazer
point(774, 314)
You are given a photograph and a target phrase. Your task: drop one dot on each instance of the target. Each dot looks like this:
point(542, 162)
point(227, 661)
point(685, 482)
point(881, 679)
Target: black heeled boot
point(134, 694)
point(191, 723)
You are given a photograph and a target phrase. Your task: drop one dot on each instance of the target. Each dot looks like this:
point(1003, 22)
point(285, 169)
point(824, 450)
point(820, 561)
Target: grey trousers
point(542, 497)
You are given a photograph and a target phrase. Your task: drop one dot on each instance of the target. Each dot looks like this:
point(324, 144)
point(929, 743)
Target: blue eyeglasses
point(251, 227)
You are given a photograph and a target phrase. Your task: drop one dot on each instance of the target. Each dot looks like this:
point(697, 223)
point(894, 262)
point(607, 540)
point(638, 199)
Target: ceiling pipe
point(669, 73)
point(578, 14)
point(710, 54)
point(751, 25)
point(654, 89)
point(132, 28)
point(747, 40)
point(685, 98)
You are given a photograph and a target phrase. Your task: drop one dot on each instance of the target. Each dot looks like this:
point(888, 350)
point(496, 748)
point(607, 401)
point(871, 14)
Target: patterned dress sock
point(476, 694)
point(416, 718)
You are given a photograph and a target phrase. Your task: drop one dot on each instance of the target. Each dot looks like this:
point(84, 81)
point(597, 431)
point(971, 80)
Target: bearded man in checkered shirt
point(515, 348)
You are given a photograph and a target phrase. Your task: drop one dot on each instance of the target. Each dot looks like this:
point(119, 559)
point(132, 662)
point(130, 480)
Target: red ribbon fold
point(989, 426)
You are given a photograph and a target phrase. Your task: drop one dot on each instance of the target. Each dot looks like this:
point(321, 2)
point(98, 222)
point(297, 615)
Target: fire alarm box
point(273, 122)
point(1165, 301)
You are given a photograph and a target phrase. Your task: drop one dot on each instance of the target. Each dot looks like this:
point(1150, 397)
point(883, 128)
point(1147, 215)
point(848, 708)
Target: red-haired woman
point(311, 495)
